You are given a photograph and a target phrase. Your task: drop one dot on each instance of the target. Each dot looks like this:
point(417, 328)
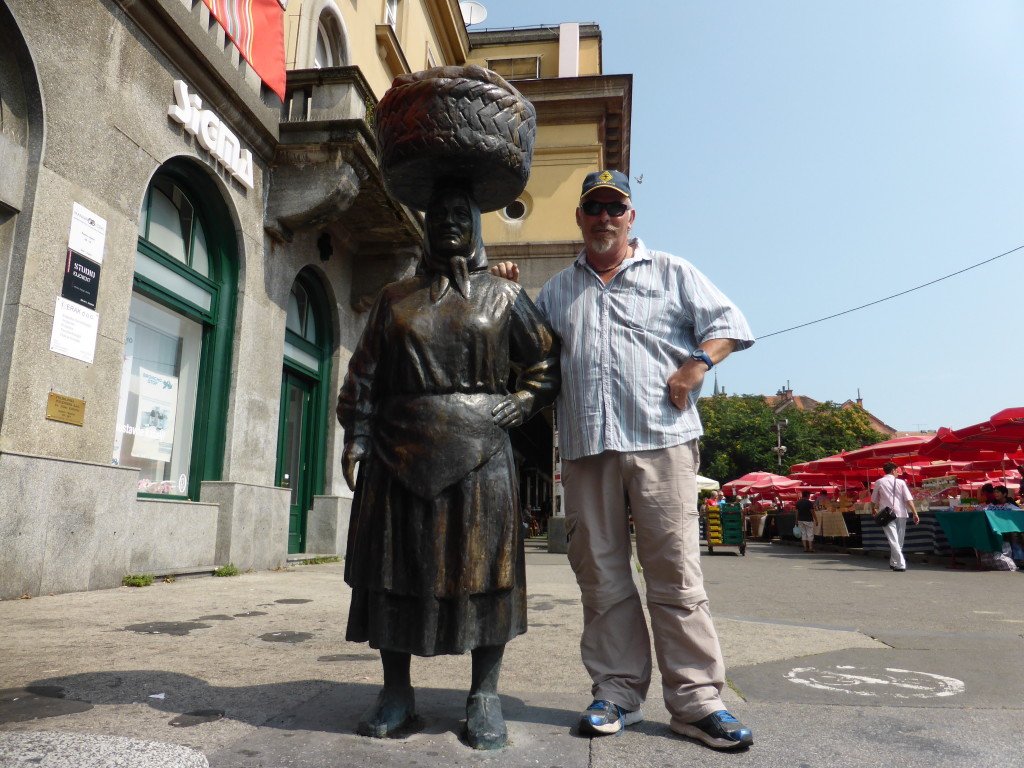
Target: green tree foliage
point(739, 434)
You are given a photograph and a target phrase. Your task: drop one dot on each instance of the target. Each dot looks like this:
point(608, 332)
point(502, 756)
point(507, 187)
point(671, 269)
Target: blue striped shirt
point(621, 342)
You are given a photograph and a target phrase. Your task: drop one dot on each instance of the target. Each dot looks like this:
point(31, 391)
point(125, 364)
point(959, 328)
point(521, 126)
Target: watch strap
point(700, 354)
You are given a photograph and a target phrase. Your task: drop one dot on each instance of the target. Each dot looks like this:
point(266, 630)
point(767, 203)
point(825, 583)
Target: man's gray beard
point(602, 246)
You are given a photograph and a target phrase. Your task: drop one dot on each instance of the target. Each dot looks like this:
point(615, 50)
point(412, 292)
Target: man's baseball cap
point(616, 180)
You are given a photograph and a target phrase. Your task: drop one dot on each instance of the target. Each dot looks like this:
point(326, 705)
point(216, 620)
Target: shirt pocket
point(645, 309)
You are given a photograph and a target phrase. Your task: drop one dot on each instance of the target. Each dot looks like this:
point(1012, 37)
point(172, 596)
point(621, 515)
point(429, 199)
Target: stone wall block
point(327, 525)
point(252, 525)
point(69, 528)
point(169, 536)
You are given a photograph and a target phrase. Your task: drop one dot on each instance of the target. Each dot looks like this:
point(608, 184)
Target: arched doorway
point(305, 402)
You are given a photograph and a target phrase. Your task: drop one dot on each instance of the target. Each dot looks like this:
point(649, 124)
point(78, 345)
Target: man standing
point(892, 492)
point(639, 331)
point(806, 518)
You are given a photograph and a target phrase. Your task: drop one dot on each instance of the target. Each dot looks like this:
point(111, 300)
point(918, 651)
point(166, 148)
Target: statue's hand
point(510, 412)
point(507, 269)
point(355, 451)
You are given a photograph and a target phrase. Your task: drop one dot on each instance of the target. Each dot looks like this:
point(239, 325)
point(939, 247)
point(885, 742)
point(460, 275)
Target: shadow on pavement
point(302, 705)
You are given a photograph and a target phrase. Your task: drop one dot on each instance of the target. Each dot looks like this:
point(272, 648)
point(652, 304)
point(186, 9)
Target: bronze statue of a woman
point(435, 551)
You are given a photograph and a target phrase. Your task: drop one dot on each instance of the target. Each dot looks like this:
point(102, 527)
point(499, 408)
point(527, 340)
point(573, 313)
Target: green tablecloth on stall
point(980, 528)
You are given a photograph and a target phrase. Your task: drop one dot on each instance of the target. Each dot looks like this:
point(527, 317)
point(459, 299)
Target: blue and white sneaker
point(602, 718)
point(719, 730)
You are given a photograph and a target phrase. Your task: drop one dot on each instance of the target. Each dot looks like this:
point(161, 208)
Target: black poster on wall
point(81, 279)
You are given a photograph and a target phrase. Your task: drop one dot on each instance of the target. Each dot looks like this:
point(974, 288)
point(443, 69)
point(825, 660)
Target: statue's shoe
point(485, 725)
point(394, 709)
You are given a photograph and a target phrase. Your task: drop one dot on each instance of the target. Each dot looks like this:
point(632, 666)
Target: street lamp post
point(779, 450)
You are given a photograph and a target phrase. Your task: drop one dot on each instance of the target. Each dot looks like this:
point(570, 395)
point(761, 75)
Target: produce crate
point(724, 528)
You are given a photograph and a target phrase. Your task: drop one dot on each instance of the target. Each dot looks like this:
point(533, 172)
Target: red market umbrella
point(975, 485)
point(810, 478)
point(946, 445)
point(826, 464)
point(899, 450)
point(794, 493)
point(740, 484)
point(773, 484)
point(1003, 433)
point(997, 462)
point(935, 469)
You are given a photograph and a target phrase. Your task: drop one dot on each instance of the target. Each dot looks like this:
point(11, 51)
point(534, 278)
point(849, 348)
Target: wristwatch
point(700, 354)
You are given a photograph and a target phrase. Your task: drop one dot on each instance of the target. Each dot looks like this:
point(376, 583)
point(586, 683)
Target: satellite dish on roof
point(472, 13)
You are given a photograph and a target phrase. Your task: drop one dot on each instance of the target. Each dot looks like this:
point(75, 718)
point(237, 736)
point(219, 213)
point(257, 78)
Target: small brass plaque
point(70, 410)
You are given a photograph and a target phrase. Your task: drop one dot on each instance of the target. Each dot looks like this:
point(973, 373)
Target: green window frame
point(308, 350)
point(200, 286)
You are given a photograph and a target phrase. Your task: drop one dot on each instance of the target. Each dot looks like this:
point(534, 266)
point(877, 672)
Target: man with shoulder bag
point(891, 498)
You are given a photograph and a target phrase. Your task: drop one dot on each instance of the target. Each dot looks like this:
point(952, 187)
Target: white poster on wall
point(88, 233)
point(74, 330)
point(154, 425)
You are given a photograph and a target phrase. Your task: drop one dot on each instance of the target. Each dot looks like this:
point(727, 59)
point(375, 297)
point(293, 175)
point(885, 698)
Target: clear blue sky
point(811, 157)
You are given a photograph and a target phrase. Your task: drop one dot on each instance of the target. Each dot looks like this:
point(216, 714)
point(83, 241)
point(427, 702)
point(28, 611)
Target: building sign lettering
point(81, 279)
point(212, 133)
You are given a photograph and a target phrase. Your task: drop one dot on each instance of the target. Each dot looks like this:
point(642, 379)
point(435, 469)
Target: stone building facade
point(185, 267)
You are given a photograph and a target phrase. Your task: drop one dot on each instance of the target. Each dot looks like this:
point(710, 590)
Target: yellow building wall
point(564, 153)
point(415, 31)
point(563, 156)
point(589, 55)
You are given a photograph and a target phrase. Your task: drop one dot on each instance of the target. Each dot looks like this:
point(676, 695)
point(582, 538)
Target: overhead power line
point(895, 295)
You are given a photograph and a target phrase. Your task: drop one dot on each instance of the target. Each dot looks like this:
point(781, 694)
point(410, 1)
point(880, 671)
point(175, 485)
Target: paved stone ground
point(833, 661)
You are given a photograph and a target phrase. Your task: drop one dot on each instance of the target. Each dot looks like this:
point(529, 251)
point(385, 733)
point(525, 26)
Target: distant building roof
point(785, 398)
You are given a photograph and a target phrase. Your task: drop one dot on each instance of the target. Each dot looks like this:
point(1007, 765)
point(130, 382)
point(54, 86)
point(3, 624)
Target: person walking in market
point(640, 329)
point(893, 493)
point(807, 519)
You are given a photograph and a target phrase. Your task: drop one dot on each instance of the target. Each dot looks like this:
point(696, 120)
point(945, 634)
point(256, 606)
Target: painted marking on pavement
point(890, 682)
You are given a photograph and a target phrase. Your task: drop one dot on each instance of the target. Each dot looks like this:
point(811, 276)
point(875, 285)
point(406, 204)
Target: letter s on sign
point(180, 111)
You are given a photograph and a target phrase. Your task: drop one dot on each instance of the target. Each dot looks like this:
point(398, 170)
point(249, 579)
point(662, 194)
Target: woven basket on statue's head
point(455, 123)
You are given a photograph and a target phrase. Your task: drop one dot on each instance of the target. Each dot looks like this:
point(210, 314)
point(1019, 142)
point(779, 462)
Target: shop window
point(156, 413)
point(173, 388)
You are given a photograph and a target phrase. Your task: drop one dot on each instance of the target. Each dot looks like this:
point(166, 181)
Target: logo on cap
point(605, 177)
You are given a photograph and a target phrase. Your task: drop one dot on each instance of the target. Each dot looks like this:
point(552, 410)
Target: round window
point(515, 210)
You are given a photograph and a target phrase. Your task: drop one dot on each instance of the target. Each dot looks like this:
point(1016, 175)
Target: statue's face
point(449, 221)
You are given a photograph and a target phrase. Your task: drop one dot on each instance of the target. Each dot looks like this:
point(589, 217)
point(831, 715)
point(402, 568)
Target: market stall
point(979, 528)
point(939, 468)
point(927, 537)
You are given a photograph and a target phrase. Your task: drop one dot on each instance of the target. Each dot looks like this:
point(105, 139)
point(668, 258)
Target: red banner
point(256, 27)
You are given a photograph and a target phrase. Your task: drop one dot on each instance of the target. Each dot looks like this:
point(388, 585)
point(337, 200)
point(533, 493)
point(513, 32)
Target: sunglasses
point(594, 208)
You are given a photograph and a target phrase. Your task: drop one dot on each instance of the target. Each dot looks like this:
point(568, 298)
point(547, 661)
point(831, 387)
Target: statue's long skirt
point(437, 576)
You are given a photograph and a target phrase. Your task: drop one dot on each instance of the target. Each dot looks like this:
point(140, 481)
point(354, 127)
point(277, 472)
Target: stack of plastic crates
point(725, 528)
